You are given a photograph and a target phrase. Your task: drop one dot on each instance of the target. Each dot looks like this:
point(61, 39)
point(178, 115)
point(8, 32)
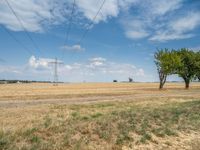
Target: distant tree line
point(21, 81)
point(183, 62)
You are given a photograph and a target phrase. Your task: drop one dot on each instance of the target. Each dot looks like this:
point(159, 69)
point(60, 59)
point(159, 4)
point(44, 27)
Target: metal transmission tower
point(56, 63)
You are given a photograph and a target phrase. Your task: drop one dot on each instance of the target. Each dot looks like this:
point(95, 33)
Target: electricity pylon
point(55, 63)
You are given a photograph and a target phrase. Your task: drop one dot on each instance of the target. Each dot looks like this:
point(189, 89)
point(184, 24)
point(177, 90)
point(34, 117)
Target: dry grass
point(47, 91)
point(112, 125)
point(169, 122)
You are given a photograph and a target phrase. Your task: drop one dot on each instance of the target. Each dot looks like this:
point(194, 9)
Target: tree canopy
point(184, 62)
point(167, 63)
point(198, 65)
point(188, 68)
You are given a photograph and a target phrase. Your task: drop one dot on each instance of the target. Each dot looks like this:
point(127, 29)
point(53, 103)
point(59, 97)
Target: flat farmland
point(99, 116)
point(40, 91)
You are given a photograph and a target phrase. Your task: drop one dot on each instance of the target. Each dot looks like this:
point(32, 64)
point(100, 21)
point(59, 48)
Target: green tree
point(167, 63)
point(198, 65)
point(188, 68)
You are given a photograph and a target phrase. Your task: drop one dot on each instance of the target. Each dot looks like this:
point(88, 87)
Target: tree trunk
point(162, 77)
point(161, 85)
point(187, 83)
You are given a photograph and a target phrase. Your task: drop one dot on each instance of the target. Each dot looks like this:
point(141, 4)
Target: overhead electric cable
point(18, 41)
point(70, 22)
point(91, 23)
point(69, 28)
point(20, 22)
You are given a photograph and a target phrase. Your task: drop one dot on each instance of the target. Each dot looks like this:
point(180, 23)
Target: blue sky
point(120, 43)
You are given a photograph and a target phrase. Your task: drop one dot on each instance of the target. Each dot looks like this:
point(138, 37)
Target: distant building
point(130, 79)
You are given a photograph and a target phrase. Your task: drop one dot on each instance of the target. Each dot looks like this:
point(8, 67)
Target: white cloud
point(140, 72)
point(135, 29)
point(100, 69)
point(127, 4)
point(89, 9)
point(161, 7)
point(163, 36)
point(96, 62)
point(179, 28)
point(133, 34)
point(41, 63)
point(75, 48)
point(94, 69)
point(157, 21)
point(37, 15)
point(97, 59)
point(186, 23)
point(34, 14)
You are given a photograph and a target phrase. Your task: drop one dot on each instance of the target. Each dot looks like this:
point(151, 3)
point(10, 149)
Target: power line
point(69, 28)
point(92, 22)
point(70, 22)
point(19, 20)
point(18, 41)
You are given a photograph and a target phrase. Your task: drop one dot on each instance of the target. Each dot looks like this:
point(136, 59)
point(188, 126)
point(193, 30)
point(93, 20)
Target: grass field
point(40, 91)
point(99, 116)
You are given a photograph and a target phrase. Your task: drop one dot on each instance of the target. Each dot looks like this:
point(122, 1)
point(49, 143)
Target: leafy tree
point(188, 68)
point(198, 65)
point(167, 63)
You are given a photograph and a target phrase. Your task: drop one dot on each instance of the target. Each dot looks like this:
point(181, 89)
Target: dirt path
point(93, 99)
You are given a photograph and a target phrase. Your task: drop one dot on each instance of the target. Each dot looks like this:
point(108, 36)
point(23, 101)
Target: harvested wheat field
point(100, 116)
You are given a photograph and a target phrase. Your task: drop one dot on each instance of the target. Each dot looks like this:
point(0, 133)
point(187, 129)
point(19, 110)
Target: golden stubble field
point(99, 116)
point(38, 91)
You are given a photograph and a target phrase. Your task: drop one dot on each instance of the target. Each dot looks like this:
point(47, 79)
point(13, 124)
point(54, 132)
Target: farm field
point(46, 91)
point(99, 116)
